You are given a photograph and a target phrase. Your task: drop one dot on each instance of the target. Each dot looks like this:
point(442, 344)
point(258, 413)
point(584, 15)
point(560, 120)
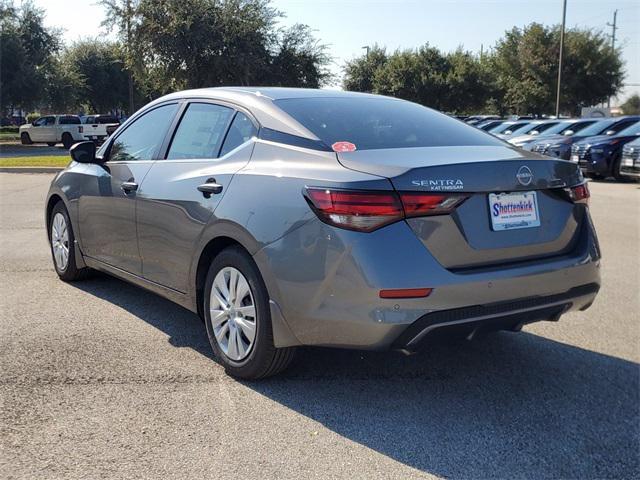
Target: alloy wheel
point(60, 241)
point(233, 313)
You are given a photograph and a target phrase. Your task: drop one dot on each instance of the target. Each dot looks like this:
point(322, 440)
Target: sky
point(348, 25)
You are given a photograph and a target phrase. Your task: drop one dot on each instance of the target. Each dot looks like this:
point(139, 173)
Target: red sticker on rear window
point(343, 147)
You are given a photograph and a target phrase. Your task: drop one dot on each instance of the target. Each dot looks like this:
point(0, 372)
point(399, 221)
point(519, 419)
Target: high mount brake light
point(366, 211)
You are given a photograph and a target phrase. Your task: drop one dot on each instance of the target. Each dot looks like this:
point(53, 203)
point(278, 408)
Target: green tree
point(632, 105)
point(359, 73)
point(27, 48)
point(102, 77)
point(525, 63)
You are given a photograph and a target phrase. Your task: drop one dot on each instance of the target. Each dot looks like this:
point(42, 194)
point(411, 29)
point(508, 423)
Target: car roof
point(260, 102)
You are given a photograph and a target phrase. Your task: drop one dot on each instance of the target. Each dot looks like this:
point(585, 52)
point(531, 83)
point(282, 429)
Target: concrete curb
point(31, 169)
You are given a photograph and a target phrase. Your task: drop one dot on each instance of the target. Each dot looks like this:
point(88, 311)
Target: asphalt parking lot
point(100, 379)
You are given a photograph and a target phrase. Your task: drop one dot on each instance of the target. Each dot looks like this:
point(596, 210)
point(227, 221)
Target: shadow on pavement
point(507, 406)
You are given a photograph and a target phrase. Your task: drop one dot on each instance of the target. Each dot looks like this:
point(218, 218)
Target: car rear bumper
point(326, 282)
point(511, 315)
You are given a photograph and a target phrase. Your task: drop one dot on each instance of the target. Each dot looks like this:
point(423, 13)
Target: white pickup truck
point(101, 126)
point(65, 129)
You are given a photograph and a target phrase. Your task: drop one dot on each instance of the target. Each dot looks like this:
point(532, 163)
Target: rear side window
point(69, 120)
point(242, 129)
point(200, 132)
point(379, 123)
point(142, 139)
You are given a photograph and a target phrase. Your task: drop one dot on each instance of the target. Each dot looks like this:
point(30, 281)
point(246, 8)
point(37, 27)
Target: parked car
point(534, 125)
point(475, 119)
point(54, 129)
point(290, 217)
point(487, 125)
point(103, 126)
point(630, 162)
point(509, 127)
point(561, 127)
point(559, 146)
point(600, 156)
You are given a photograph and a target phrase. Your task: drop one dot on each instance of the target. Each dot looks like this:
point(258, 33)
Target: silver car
point(288, 217)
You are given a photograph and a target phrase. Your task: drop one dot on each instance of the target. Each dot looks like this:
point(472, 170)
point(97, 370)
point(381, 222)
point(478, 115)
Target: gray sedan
point(289, 217)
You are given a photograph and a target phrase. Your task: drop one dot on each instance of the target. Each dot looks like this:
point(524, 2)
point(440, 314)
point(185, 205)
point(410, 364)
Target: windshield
point(553, 128)
point(541, 127)
point(633, 129)
point(378, 123)
point(597, 128)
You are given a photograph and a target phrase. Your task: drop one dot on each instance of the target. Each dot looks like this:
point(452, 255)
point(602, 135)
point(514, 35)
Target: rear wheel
point(25, 139)
point(238, 318)
point(67, 140)
point(62, 245)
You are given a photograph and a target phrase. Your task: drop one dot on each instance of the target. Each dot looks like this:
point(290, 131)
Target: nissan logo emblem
point(524, 176)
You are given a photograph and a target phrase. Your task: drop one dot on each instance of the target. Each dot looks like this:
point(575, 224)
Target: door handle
point(129, 187)
point(210, 187)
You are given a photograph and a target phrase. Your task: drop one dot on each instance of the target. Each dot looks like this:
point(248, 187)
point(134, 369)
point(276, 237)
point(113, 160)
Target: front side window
point(241, 130)
point(40, 122)
point(142, 139)
point(200, 132)
point(47, 121)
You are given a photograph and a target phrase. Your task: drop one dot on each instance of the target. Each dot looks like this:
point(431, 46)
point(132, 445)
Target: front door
point(107, 209)
point(177, 199)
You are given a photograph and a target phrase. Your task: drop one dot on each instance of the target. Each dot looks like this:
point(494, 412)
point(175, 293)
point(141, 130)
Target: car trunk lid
point(467, 237)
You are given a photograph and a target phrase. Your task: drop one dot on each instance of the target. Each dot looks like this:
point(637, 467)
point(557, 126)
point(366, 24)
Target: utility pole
point(613, 40)
point(366, 47)
point(564, 17)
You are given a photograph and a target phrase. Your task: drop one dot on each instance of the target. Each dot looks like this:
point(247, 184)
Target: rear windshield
point(103, 120)
point(378, 123)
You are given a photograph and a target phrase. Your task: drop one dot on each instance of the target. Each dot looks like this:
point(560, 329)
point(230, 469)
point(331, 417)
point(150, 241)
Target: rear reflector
point(366, 211)
point(406, 293)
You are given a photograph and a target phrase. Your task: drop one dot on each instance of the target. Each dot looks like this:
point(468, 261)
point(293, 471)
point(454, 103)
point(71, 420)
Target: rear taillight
point(355, 210)
point(579, 193)
point(420, 204)
point(366, 211)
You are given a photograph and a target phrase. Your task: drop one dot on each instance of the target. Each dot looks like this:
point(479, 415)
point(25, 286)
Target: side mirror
point(83, 152)
point(568, 133)
point(507, 132)
point(610, 132)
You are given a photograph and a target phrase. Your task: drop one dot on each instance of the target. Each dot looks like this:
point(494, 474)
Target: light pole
point(366, 47)
point(564, 17)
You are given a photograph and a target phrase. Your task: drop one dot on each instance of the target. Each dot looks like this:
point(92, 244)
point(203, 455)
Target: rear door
point(107, 208)
point(211, 142)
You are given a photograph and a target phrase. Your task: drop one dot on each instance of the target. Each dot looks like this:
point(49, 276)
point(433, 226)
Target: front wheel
point(238, 318)
point(25, 139)
point(615, 170)
point(62, 240)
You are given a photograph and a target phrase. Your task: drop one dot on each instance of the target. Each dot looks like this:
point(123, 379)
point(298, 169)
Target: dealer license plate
point(510, 211)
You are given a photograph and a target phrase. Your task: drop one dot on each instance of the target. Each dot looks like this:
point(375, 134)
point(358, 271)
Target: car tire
point(62, 242)
point(67, 140)
point(52, 144)
point(25, 139)
point(231, 330)
point(615, 170)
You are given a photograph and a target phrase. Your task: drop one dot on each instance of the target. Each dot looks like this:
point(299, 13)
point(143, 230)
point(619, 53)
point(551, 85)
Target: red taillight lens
point(366, 211)
point(420, 204)
point(355, 210)
point(580, 193)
